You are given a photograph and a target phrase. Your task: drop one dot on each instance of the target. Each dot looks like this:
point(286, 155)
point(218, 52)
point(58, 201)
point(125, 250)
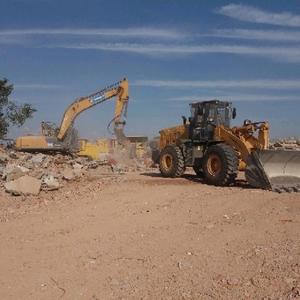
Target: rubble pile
point(28, 174)
point(23, 173)
point(286, 144)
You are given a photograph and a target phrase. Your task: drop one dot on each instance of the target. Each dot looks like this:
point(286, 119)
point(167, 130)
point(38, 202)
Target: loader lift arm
point(119, 89)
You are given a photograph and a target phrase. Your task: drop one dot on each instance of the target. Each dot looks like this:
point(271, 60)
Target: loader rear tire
point(220, 165)
point(171, 162)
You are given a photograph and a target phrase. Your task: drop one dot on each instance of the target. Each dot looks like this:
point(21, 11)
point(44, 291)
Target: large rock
point(77, 169)
point(25, 185)
point(68, 174)
point(13, 172)
point(3, 157)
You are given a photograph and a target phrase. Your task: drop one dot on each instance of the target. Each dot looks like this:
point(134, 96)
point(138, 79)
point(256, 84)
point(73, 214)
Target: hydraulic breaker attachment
point(119, 132)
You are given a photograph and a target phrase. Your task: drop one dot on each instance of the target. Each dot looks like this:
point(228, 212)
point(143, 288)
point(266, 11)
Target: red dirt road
point(145, 237)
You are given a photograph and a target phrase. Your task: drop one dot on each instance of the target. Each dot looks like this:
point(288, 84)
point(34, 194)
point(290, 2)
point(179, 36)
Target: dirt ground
point(139, 236)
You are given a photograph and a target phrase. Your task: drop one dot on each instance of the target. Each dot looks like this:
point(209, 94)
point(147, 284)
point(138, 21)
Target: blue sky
point(172, 52)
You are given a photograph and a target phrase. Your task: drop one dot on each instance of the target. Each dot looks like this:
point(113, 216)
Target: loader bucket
point(277, 170)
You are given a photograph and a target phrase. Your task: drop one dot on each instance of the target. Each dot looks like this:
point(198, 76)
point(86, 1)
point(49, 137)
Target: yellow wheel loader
point(217, 151)
point(64, 138)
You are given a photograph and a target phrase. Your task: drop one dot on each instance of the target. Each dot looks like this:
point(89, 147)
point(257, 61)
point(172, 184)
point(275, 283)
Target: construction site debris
point(25, 185)
point(68, 174)
point(290, 143)
point(13, 172)
point(24, 173)
point(50, 183)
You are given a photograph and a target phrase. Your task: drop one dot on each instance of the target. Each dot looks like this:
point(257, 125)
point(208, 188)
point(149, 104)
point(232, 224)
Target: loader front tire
point(220, 165)
point(171, 162)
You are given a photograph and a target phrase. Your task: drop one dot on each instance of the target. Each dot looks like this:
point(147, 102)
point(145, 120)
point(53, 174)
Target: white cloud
point(108, 32)
point(36, 86)
point(257, 83)
point(35, 38)
point(289, 54)
point(256, 15)
point(252, 34)
point(236, 98)
point(12, 40)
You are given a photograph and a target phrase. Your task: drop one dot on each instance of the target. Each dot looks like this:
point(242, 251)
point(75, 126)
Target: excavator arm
point(119, 89)
point(62, 138)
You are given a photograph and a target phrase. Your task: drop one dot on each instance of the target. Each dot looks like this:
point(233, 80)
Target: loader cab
point(206, 115)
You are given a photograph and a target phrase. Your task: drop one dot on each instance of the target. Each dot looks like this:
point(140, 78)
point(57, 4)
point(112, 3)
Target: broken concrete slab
point(3, 157)
point(77, 172)
point(25, 185)
point(77, 165)
point(50, 183)
point(13, 172)
point(13, 154)
point(38, 158)
point(2, 170)
point(68, 174)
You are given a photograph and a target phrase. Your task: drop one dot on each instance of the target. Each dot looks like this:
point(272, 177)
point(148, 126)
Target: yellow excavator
point(217, 151)
point(64, 138)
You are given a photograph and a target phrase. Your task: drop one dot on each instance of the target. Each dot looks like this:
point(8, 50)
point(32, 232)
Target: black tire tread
point(231, 162)
point(179, 167)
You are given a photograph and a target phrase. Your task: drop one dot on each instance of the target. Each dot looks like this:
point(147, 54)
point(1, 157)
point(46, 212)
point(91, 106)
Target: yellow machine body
point(38, 143)
point(63, 138)
point(242, 139)
point(94, 150)
point(264, 168)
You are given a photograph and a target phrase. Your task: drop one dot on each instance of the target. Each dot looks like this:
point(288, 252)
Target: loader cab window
point(211, 114)
point(223, 116)
point(197, 114)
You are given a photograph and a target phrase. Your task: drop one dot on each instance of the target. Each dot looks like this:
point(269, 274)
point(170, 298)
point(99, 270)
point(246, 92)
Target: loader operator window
point(197, 114)
point(223, 116)
point(211, 114)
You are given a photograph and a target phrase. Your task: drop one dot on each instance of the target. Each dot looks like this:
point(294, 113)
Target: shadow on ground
point(240, 183)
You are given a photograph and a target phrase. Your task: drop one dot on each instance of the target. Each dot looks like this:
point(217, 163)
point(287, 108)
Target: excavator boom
point(119, 89)
point(64, 138)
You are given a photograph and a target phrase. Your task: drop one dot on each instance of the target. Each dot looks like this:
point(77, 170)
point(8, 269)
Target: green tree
point(10, 112)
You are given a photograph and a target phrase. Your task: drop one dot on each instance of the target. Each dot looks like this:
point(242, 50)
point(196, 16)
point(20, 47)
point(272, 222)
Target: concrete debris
point(25, 173)
point(25, 185)
point(13, 172)
point(3, 158)
point(13, 155)
point(77, 166)
point(50, 183)
point(38, 159)
point(287, 144)
point(2, 171)
point(68, 174)
point(77, 172)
